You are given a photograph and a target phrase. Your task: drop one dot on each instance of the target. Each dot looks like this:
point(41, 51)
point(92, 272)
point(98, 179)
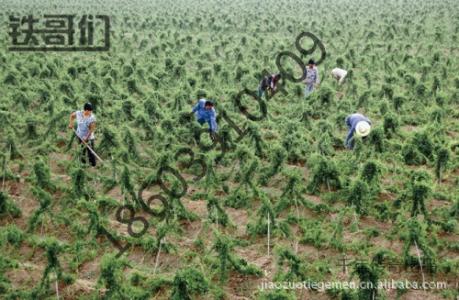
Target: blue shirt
point(351, 122)
point(83, 125)
point(204, 115)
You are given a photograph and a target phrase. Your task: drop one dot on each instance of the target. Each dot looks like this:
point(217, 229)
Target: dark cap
point(87, 106)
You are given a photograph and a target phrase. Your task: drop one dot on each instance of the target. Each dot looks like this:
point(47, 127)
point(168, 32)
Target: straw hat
point(362, 129)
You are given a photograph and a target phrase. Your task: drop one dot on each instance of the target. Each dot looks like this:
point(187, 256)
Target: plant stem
point(57, 287)
point(157, 256)
point(269, 221)
point(297, 220)
point(420, 262)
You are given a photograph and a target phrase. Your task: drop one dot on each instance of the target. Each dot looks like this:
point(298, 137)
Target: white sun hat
point(362, 129)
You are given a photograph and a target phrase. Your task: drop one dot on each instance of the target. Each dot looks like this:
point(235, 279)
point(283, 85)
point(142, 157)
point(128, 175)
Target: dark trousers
point(91, 156)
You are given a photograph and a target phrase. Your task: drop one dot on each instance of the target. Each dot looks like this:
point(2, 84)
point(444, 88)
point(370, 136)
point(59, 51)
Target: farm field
point(275, 199)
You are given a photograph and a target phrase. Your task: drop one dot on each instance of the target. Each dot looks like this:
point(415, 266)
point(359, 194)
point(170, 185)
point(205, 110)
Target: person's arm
point(72, 120)
point(305, 75)
point(348, 121)
point(92, 128)
point(196, 107)
point(317, 77)
point(349, 137)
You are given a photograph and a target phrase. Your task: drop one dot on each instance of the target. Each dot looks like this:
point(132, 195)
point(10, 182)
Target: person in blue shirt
point(357, 124)
point(268, 83)
point(205, 112)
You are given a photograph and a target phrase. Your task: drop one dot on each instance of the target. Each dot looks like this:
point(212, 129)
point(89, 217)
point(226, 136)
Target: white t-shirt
point(339, 74)
point(83, 125)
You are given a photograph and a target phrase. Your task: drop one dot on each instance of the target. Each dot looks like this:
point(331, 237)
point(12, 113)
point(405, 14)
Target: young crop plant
point(11, 147)
point(5, 172)
point(79, 182)
point(415, 234)
point(127, 187)
point(45, 200)
point(314, 233)
point(412, 156)
point(189, 284)
point(290, 267)
point(443, 156)
point(292, 194)
point(371, 173)
point(43, 176)
point(359, 196)
point(215, 212)
point(53, 248)
point(95, 224)
point(223, 246)
point(111, 277)
point(8, 207)
point(377, 139)
point(398, 102)
point(391, 124)
point(246, 190)
point(212, 179)
point(267, 222)
point(12, 235)
point(255, 137)
point(424, 144)
point(369, 275)
point(324, 173)
point(420, 192)
point(130, 143)
point(278, 157)
point(31, 129)
point(108, 141)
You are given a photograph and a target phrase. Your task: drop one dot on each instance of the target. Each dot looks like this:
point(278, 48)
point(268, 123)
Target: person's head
point(362, 129)
point(311, 63)
point(208, 105)
point(277, 77)
point(87, 107)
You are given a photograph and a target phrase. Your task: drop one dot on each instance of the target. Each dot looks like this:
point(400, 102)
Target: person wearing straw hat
point(359, 125)
point(86, 125)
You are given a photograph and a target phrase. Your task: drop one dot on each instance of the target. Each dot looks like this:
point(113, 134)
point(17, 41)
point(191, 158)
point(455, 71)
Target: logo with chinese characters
point(59, 33)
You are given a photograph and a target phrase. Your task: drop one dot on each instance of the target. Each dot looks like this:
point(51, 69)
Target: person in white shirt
point(311, 79)
point(339, 74)
point(85, 131)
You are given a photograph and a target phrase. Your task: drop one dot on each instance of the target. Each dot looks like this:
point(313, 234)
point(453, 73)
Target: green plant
point(296, 268)
point(325, 173)
point(188, 282)
point(223, 246)
point(441, 162)
point(215, 212)
point(45, 200)
point(111, 276)
point(42, 176)
point(369, 279)
point(8, 207)
point(359, 196)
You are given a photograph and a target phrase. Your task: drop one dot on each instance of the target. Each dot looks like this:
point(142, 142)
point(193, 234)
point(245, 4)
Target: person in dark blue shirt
point(357, 124)
point(268, 83)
